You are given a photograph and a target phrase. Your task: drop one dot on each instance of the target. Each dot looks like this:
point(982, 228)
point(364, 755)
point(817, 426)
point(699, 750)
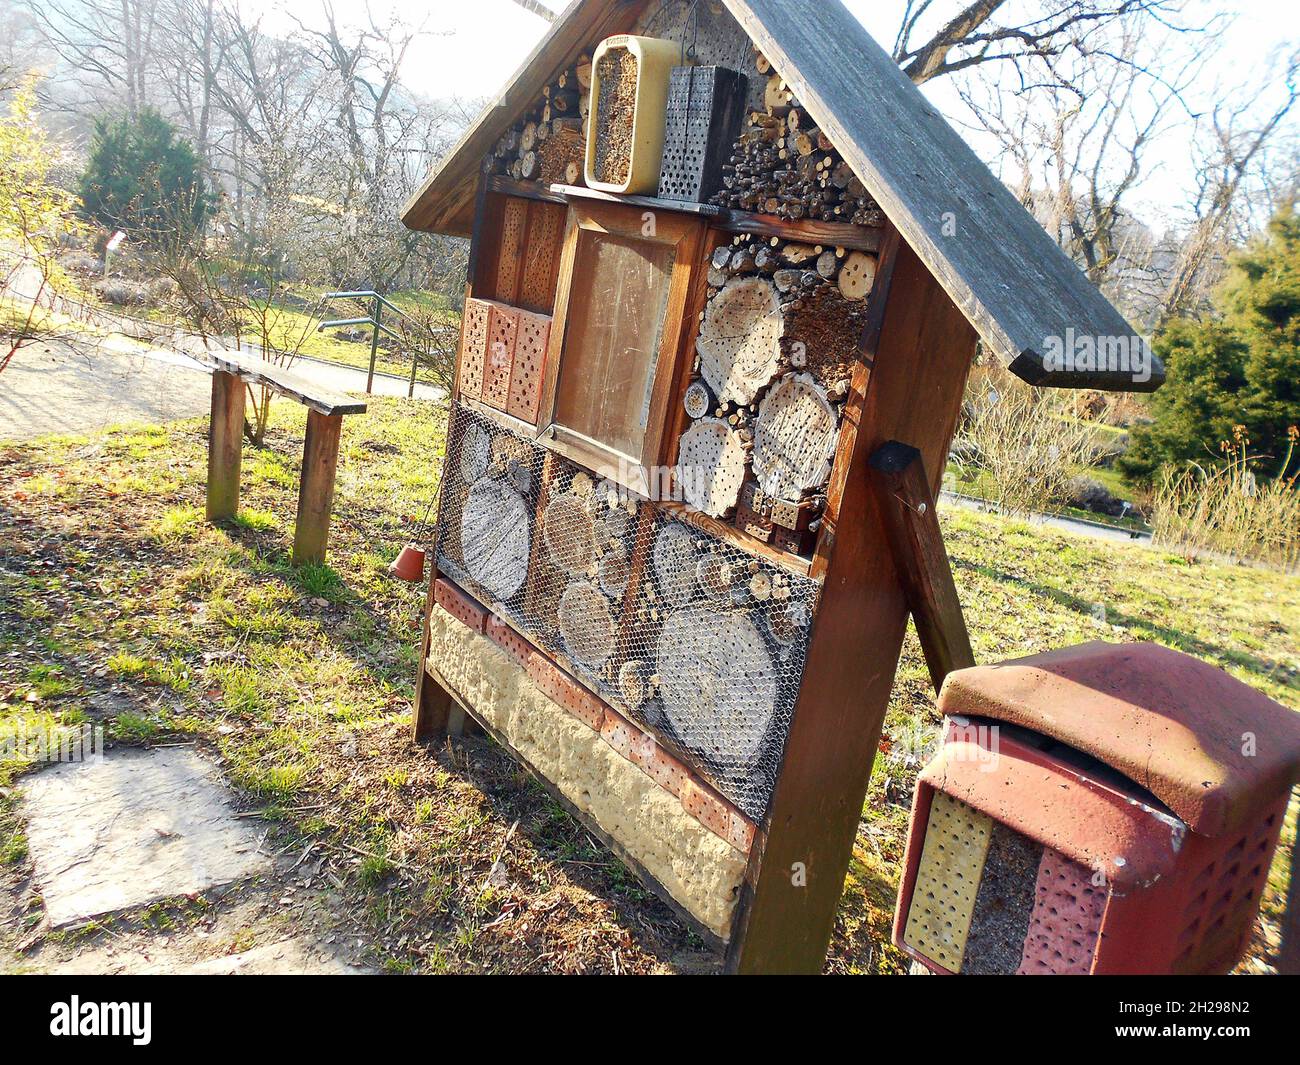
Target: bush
point(1026, 442)
point(144, 179)
point(1241, 368)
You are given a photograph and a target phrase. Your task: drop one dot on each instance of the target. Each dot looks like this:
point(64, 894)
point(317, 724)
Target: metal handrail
point(378, 303)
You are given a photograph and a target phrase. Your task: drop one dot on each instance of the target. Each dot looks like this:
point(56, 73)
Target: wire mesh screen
point(686, 634)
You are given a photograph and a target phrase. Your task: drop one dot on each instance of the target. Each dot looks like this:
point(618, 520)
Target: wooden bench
point(231, 372)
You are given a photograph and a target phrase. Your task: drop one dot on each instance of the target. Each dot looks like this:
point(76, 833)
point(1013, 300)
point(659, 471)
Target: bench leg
point(225, 444)
point(320, 456)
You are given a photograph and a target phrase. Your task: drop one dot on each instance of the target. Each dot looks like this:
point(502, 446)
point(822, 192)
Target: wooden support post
point(912, 525)
point(433, 708)
point(320, 455)
point(225, 443)
point(908, 386)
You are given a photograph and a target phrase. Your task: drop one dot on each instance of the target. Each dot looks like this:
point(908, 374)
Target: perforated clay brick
point(528, 366)
point(473, 349)
point(459, 605)
point(1066, 918)
point(508, 640)
point(503, 329)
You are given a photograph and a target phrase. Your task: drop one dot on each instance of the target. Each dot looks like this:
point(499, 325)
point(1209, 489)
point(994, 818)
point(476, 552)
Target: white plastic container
point(655, 59)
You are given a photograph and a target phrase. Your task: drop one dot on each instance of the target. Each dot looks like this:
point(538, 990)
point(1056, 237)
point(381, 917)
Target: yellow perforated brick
point(947, 880)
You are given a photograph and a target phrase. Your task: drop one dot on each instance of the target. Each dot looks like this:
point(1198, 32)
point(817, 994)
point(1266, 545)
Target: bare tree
point(108, 48)
point(1237, 137)
point(533, 7)
point(972, 36)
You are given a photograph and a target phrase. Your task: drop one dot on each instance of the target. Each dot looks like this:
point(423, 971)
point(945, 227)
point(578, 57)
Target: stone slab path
point(152, 836)
point(131, 829)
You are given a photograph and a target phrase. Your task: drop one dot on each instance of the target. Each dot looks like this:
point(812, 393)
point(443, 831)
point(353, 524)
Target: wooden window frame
point(685, 234)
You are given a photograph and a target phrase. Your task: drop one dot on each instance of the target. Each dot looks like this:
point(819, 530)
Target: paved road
point(94, 381)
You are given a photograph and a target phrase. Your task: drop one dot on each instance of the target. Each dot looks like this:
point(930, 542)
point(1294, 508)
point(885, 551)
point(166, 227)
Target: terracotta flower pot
point(409, 565)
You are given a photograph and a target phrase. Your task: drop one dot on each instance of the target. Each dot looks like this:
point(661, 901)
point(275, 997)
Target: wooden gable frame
point(997, 278)
point(1015, 285)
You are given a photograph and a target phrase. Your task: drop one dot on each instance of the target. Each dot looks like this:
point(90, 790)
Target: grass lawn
point(121, 604)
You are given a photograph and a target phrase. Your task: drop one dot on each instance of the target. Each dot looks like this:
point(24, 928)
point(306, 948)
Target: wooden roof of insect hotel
point(1018, 289)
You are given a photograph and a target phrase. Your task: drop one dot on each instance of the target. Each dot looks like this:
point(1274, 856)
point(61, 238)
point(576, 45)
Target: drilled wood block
point(500, 633)
point(473, 348)
point(753, 524)
point(459, 605)
point(503, 330)
point(560, 688)
point(947, 879)
point(528, 367)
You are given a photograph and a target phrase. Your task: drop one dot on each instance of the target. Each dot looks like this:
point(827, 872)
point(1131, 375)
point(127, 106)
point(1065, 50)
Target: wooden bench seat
point(231, 372)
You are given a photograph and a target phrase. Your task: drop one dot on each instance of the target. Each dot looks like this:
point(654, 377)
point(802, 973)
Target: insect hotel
point(727, 277)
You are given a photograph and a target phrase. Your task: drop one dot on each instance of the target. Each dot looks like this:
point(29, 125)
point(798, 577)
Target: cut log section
point(634, 683)
point(787, 624)
point(475, 452)
point(674, 564)
point(614, 570)
point(715, 576)
point(740, 339)
point(718, 684)
point(495, 539)
point(586, 624)
point(696, 401)
point(857, 275)
point(711, 466)
point(570, 534)
point(794, 437)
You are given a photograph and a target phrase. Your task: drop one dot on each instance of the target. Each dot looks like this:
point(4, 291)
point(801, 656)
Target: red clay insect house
point(688, 497)
point(1101, 809)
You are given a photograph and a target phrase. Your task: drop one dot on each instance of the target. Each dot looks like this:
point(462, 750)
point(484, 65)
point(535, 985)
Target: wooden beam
point(320, 455)
point(913, 392)
point(225, 445)
point(906, 504)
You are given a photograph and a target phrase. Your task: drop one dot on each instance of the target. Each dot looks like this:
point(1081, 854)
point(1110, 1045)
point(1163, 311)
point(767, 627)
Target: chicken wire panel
point(694, 639)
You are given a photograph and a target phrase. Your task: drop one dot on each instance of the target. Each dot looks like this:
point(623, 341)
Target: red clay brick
point(560, 688)
point(459, 605)
point(622, 735)
point(501, 634)
point(741, 835)
point(663, 769)
point(707, 809)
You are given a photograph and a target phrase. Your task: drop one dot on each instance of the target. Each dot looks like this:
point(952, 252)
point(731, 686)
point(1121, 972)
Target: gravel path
point(68, 386)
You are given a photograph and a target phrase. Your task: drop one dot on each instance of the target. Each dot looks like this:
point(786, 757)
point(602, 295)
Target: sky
point(471, 47)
